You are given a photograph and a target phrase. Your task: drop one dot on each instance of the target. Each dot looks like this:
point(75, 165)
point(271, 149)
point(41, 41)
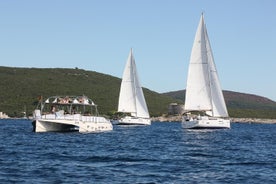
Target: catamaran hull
point(69, 125)
point(206, 123)
point(134, 121)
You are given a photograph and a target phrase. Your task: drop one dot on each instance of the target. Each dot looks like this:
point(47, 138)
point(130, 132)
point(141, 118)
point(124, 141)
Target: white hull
point(134, 121)
point(84, 124)
point(206, 122)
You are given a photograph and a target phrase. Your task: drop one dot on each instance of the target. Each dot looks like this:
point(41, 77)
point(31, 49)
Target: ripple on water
point(160, 153)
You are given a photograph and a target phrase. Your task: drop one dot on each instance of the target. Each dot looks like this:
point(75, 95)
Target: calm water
point(161, 153)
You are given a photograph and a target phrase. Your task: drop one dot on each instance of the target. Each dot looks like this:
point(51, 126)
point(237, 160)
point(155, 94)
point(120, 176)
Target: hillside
point(21, 87)
point(240, 104)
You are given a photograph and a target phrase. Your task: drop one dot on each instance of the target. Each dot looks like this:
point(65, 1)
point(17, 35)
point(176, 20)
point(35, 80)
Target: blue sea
point(160, 153)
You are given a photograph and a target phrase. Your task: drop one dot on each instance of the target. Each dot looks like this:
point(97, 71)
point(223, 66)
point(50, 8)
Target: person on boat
point(73, 111)
point(198, 117)
point(53, 109)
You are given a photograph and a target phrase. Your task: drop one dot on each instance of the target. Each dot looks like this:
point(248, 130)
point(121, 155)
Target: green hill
point(240, 104)
point(21, 87)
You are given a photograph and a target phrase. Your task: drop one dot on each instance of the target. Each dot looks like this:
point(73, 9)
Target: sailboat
point(131, 99)
point(203, 92)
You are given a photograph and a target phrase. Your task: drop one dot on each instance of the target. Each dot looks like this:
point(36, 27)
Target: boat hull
point(133, 121)
point(206, 123)
point(57, 125)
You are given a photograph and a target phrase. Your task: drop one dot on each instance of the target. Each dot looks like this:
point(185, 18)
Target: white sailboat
point(203, 91)
point(131, 99)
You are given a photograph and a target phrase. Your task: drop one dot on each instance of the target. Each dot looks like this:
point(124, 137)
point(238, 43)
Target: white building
point(3, 115)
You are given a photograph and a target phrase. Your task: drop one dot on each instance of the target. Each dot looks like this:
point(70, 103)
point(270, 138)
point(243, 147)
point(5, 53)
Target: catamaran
point(203, 91)
point(69, 113)
point(131, 99)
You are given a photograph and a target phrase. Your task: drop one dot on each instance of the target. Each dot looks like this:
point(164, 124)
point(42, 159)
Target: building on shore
point(175, 109)
point(3, 115)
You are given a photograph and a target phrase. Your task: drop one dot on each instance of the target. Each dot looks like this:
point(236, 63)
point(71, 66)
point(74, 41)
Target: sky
point(97, 35)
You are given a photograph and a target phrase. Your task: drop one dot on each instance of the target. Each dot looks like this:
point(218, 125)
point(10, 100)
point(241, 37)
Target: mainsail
point(131, 97)
point(203, 91)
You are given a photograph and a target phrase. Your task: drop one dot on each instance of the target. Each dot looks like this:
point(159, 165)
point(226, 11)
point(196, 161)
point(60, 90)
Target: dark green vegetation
point(21, 87)
point(241, 105)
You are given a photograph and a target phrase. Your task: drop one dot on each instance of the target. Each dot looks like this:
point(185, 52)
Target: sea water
point(160, 153)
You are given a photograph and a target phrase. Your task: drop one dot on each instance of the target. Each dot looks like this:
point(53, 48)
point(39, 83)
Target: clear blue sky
point(97, 35)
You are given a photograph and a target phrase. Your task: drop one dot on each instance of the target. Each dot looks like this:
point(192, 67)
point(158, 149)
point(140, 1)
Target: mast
point(133, 72)
point(208, 51)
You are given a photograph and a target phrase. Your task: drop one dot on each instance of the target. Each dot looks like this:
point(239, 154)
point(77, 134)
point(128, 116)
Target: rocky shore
point(234, 120)
point(167, 118)
point(253, 120)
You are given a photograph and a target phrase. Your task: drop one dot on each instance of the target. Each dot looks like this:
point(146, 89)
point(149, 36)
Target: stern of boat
point(205, 122)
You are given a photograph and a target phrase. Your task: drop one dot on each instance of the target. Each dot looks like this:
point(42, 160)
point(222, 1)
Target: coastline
point(253, 120)
point(178, 118)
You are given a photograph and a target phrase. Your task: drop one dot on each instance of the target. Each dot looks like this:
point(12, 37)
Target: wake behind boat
point(203, 91)
point(131, 99)
point(69, 113)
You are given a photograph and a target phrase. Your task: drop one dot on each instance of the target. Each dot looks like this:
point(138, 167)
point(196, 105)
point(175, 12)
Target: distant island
point(21, 87)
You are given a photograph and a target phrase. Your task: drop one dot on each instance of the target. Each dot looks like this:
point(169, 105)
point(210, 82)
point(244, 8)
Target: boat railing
point(95, 119)
point(75, 117)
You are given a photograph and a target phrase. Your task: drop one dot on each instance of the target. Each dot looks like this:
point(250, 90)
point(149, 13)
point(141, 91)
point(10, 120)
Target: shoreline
point(178, 118)
point(253, 120)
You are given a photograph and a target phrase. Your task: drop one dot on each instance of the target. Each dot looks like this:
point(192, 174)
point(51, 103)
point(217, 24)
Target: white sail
point(198, 88)
point(218, 103)
point(127, 92)
point(131, 97)
point(203, 91)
